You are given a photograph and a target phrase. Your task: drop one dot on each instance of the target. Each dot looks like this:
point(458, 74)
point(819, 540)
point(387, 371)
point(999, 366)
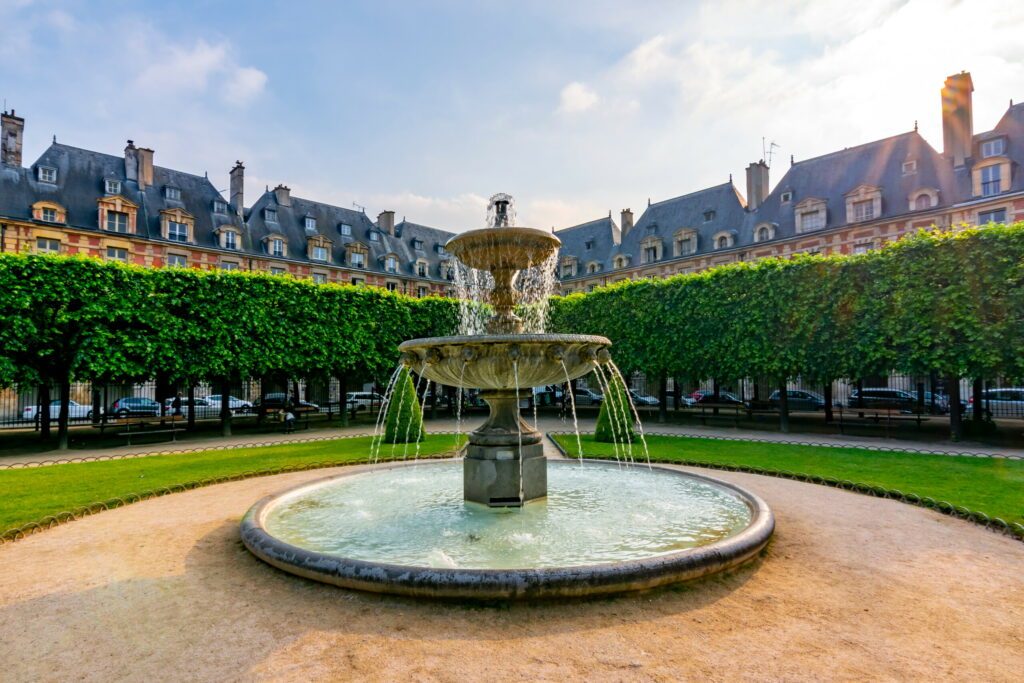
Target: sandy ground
point(852, 587)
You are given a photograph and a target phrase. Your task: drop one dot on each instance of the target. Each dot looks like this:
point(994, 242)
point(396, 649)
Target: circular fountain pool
point(602, 529)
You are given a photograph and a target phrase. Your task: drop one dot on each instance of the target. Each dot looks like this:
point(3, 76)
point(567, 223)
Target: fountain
point(509, 535)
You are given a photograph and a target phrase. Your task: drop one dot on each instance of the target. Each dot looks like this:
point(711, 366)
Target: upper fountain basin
point(494, 249)
point(504, 361)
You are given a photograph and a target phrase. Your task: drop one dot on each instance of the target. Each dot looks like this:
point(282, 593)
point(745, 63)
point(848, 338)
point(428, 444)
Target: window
point(923, 201)
point(49, 215)
point(722, 242)
point(117, 221)
point(992, 148)
point(650, 254)
point(319, 253)
point(277, 247)
point(345, 229)
point(112, 187)
point(277, 270)
point(589, 245)
point(592, 268)
point(421, 268)
point(392, 287)
point(319, 278)
point(569, 269)
point(228, 265)
point(117, 253)
point(391, 264)
point(990, 181)
point(421, 292)
point(684, 246)
point(177, 232)
point(172, 193)
point(709, 216)
point(357, 281)
point(861, 247)
point(47, 174)
point(787, 197)
point(310, 223)
point(176, 261)
point(909, 167)
point(864, 210)
point(230, 240)
point(358, 259)
point(812, 220)
point(47, 245)
point(994, 216)
point(417, 245)
point(374, 236)
point(219, 206)
point(441, 251)
point(270, 215)
point(763, 234)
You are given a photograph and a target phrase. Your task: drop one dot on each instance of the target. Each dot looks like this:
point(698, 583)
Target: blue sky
point(426, 108)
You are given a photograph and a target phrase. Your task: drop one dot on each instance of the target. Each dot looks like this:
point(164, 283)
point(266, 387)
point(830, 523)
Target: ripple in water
point(593, 515)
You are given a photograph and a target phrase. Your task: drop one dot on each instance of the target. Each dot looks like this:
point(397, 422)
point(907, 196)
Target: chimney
point(757, 184)
point(386, 222)
point(145, 156)
point(131, 161)
point(626, 222)
point(237, 191)
point(957, 118)
point(12, 130)
point(284, 195)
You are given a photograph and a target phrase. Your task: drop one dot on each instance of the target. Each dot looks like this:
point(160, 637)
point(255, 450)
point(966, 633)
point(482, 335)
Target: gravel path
point(852, 587)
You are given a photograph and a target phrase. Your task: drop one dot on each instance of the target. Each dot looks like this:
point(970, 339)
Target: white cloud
point(194, 69)
point(575, 98)
point(245, 84)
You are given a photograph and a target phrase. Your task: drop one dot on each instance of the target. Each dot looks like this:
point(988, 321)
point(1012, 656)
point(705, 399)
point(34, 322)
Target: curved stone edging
point(1012, 529)
point(511, 584)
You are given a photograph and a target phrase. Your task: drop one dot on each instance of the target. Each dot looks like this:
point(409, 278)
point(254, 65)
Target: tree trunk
point(829, 403)
point(956, 426)
point(783, 407)
point(860, 394)
point(225, 408)
point(97, 406)
point(62, 419)
point(677, 395)
point(920, 397)
point(343, 398)
point(663, 398)
point(43, 413)
point(191, 419)
point(716, 394)
point(977, 396)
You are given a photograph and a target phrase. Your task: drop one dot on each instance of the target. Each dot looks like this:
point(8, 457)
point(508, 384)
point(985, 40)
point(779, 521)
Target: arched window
point(763, 234)
point(723, 242)
point(923, 201)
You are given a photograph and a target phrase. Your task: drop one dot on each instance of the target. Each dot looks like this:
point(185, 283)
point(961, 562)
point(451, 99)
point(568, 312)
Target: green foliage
point(404, 420)
point(615, 420)
point(945, 302)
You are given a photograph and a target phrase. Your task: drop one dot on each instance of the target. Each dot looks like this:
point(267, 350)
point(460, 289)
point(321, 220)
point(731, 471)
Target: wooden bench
point(853, 416)
point(128, 434)
point(720, 411)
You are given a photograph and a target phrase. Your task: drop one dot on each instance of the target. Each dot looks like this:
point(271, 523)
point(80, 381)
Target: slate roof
point(603, 236)
point(1010, 126)
point(291, 225)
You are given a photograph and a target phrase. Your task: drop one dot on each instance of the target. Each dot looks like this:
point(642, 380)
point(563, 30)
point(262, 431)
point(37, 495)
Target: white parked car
point(236, 405)
point(363, 400)
point(203, 408)
point(76, 411)
point(1008, 402)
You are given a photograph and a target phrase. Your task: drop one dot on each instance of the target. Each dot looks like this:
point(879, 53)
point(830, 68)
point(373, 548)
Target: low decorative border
point(1012, 529)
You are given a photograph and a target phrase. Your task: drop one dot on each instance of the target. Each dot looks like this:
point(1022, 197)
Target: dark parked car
point(884, 399)
point(279, 401)
point(798, 399)
point(709, 397)
point(587, 397)
point(134, 406)
point(642, 400)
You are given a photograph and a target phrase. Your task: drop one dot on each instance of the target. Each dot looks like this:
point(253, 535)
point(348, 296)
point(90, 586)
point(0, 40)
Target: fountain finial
point(501, 211)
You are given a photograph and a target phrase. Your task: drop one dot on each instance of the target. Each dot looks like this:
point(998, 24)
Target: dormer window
point(117, 221)
point(651, 250)
point(909, 167)
point(172, 193)
point(177, 232)
point(391, 264)
point(593, 267)
point(49, 215)
point(318, 253)
point(345, 230)
point(219, 206)
point(374, 236)
point(991, 180)
point(685, 242)
point(421, 268)
point(992, 148)
point(787, 197)
point(277, 247)
point(417, 245)
point(724, 240)
point(46, 174)
point(230, 240)
point(864, 210)
point(812, 220)
point(112, 187)
point(358, 259)
point(310, 223)
point(764, 232)
point(709, 216)
point(270, 215)
point(441, 251)
point(588, 245)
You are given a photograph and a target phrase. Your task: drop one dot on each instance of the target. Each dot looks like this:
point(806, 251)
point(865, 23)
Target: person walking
point(176, 405)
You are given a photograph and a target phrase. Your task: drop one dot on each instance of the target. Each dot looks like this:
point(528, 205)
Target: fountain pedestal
point(504, 464)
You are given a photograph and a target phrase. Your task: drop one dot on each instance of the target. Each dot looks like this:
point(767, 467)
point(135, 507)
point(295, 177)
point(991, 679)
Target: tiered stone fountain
point(510, 533)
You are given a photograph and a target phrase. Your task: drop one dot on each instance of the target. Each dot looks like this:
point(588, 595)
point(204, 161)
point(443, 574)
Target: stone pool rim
point(575, 581)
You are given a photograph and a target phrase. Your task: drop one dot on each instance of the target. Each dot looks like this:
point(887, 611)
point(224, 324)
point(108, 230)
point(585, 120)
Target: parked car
point(587, 397)
point(279, 401)
point(363, 400)
point(709, 397)
point(883, 398)
point(1008, 402)
point(941, 403)
point(798, 399)
point(76, 411)
point(236, 405)
point(134, 406)
point(203, 408)
point(642, 400)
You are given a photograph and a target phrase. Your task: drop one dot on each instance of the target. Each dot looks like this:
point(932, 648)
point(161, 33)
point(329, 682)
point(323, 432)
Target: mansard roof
point(603, 234)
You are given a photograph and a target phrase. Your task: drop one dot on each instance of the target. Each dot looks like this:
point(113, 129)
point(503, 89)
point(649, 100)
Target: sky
point(576, 108)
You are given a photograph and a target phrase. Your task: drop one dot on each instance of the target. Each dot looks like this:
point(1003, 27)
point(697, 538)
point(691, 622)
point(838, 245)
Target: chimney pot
point(12, 133)
point(625, 221)
point(757, 184)
point(237, 188)
point(283, 193)
point(386, 222)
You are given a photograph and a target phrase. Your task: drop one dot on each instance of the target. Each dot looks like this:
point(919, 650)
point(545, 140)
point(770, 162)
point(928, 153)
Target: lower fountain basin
point(602, 529)
point(493, 361)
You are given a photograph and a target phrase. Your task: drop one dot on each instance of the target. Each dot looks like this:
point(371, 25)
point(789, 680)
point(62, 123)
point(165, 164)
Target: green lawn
point(994, 486)
point(28, 495)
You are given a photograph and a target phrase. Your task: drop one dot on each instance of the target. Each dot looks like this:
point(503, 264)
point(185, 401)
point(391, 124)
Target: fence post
point(716, 395)
point(956, 426)
point(62, 419)
point(827, 391)
point(97, 406)
point(784, 407)
point(343, 398)
point(977, 396)
point(663, 398)
point(191, 419)
point(225, 407)
point(43, 411)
